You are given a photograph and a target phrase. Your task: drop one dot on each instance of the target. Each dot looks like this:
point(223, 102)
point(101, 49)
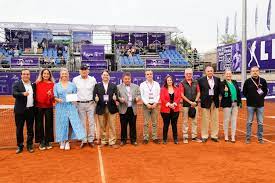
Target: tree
point(182, 44)
point(228, 39)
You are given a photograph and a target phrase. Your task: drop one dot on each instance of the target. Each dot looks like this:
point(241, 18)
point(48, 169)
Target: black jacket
point(20, 100)
point(206, 99)
point(226, 100)
point(100, 91)
point(253, 99)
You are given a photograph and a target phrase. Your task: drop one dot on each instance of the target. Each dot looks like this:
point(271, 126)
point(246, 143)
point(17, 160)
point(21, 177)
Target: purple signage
point(156, 38)
point(92, 52)
point(157, 63)
point(120, 37)
point(260, 52)
point(7, 79)
point(24, 62)
point(138, 39)
point(97, 65)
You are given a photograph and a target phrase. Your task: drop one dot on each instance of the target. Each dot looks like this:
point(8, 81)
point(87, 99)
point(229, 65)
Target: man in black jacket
point(255, 89)
point(24, 94)
point(210, 90)
point(105, 95)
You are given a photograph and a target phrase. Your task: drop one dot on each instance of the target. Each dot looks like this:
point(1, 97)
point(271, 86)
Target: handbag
point(192, 112)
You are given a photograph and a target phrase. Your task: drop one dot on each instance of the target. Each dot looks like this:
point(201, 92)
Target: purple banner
point(157, 63)
point(7, 79)
point(92, 53)
point(97, 65)
point(138, 39)
point(24, 62)
point(120, 37)
point(156, 38)
point(260, 52)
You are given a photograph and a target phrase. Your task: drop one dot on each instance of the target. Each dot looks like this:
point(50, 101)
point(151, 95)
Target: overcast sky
point(197, 19)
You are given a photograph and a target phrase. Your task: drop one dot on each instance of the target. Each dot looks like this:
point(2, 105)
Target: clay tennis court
point(193, 162)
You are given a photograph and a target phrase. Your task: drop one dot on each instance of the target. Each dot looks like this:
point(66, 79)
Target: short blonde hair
point(63, 69)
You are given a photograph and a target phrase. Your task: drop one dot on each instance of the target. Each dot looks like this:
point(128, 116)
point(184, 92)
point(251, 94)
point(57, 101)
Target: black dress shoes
point(204, 140)
point(156, 141)
point(214, 139)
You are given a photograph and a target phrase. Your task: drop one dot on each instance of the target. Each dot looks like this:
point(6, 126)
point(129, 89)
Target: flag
point(217, 34)
point(256, 19)
point(268, 15)
point(235, 24)
point(226, 25)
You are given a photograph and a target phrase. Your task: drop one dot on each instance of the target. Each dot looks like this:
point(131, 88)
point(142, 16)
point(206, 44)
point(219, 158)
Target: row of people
point(34, 102)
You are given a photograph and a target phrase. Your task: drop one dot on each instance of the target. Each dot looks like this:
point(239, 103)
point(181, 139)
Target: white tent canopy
point(87, 27)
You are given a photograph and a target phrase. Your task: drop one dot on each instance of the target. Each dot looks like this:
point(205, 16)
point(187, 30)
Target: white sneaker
point(67, 146)
point(62, 145)
point(185, 141)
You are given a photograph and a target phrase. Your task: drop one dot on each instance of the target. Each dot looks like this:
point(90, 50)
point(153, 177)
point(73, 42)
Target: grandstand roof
point(88, 27)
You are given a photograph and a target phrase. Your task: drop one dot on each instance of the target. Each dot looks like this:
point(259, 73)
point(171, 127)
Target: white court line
point(102, 174)
point(251, 134)
point(269, 134)
point(263, 124)
point(101, 165)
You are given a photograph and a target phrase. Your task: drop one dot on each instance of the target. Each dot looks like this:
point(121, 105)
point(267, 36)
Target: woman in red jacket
point(44, 105)
point(170, 102)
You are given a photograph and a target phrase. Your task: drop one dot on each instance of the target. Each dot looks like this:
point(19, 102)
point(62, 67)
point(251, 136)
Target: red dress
point(44, 94)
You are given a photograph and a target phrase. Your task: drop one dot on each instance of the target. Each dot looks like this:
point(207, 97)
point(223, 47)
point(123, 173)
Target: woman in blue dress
point(66, 112)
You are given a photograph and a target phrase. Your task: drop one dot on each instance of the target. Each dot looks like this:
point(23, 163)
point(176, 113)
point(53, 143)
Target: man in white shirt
point(24, 93)
point(150, 94)
point(86, 106)
point(128, 97)
point(210, 91)
point(35, 46)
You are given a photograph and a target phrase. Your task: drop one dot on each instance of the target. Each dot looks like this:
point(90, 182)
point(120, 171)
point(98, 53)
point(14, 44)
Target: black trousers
point(125, 119)
point(20, 119)
point(167, 118)
point(44, 132)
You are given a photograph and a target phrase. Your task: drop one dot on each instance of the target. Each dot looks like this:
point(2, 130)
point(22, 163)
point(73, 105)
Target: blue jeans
point(259, 114)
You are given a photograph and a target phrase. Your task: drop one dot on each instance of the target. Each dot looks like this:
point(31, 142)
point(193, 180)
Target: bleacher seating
point(47, 54)
point(175, 58)
point(132, 61)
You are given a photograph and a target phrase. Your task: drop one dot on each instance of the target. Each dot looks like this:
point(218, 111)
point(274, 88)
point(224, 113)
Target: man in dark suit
point(105, 95)
point(210, 90)
point(23, 92)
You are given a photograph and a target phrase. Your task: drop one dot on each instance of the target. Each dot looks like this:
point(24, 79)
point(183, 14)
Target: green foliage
point(228, 39)
point(182, 44)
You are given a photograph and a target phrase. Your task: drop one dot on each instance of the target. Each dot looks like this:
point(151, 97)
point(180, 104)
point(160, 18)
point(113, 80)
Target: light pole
point(244, 39)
